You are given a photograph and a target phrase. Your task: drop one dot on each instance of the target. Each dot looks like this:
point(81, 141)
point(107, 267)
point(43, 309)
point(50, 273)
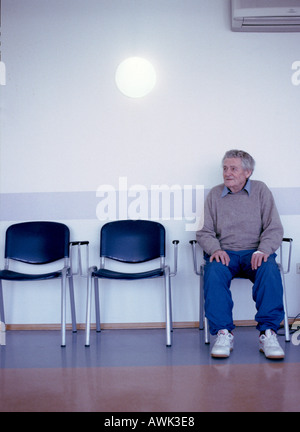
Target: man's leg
point(267, 294)
point(217, 295)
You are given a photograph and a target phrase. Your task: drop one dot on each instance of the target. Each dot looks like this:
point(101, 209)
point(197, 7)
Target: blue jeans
point(267, 291)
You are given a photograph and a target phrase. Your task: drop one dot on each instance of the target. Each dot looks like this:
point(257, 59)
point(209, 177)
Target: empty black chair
point(131, 241)
point(38, 243)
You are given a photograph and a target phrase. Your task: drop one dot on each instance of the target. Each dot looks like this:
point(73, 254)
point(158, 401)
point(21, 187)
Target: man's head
point(237, 168)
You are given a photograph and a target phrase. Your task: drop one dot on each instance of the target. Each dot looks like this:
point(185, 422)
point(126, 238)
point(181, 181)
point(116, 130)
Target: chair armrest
point(195, 261)
point(78, 267)
point(289, 241)
point(175, 243)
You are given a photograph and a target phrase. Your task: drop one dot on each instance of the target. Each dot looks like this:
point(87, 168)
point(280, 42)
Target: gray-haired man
point(241, 232)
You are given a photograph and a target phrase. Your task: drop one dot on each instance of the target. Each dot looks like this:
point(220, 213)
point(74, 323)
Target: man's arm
point(272, 229)
point(206, 237)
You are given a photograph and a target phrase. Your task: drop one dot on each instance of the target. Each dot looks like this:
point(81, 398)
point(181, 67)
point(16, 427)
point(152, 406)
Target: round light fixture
point(135, 77)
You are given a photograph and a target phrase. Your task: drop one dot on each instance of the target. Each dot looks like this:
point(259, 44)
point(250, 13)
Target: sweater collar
point(247, 188)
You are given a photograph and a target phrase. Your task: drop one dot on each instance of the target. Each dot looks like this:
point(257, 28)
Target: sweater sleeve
point(206, 237)
point(272, 229)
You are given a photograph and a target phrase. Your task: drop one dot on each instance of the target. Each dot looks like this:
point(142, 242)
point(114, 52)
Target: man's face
point(234, 175)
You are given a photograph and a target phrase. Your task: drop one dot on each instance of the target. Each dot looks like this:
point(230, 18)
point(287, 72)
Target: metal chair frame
point(200, 269)
point(34, 255)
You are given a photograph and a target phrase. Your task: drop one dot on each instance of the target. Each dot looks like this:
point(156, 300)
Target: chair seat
point(110, 274)
point(16, 276)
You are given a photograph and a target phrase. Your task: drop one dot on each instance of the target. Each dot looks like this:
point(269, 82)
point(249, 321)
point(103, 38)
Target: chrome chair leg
point(286, 319)
point(88, 310)
point(97, 306)
point(63, 307)
point(2, 316)
point(206, 331)
point(201, 299)
point(168, 307)
point(72, 303)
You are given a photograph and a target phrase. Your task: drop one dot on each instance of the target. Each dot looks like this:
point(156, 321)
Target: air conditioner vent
point(266, 15)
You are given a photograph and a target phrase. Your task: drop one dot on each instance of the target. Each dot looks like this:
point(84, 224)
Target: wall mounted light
point(135, 77)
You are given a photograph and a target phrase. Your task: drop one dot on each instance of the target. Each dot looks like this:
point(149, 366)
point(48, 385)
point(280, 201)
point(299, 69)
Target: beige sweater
point(241, 221)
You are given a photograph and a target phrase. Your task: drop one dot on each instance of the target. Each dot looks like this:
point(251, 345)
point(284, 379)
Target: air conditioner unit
point(265, 15)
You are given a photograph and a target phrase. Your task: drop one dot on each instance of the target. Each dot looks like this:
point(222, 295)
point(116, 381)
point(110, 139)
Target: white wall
point(66, 129)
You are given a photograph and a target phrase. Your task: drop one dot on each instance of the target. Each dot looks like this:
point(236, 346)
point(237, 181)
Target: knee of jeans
point(269, 265)
point(272, 258)
point(211, 266)
point(215, 267)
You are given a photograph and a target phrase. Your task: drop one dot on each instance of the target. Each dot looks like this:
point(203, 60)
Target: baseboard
point(120, 326)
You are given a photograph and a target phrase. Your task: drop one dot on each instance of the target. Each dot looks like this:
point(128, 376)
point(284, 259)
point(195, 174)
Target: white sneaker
point(223, 344)
point(268, 344)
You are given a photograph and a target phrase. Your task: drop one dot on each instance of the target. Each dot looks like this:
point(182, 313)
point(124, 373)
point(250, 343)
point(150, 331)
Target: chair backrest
point(132, 241)
point(37, 242)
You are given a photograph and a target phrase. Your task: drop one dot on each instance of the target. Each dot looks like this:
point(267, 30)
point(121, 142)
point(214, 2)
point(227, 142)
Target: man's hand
point(257, 258)
point(220, 256)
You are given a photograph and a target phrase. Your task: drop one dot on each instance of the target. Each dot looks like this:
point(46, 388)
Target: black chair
point(133, 242)
point(39, 243)
point(283, 271)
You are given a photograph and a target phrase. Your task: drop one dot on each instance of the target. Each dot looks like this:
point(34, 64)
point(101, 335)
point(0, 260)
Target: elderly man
point(241, 232)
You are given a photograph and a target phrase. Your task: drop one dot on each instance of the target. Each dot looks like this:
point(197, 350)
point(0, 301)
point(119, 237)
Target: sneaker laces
point(222, 338)
point(270, 338)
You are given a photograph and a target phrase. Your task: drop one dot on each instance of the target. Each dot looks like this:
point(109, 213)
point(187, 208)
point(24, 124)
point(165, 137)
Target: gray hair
point(248, 162)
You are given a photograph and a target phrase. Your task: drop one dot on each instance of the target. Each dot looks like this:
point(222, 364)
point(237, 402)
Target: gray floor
point(38, 349)
point(133, 370)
